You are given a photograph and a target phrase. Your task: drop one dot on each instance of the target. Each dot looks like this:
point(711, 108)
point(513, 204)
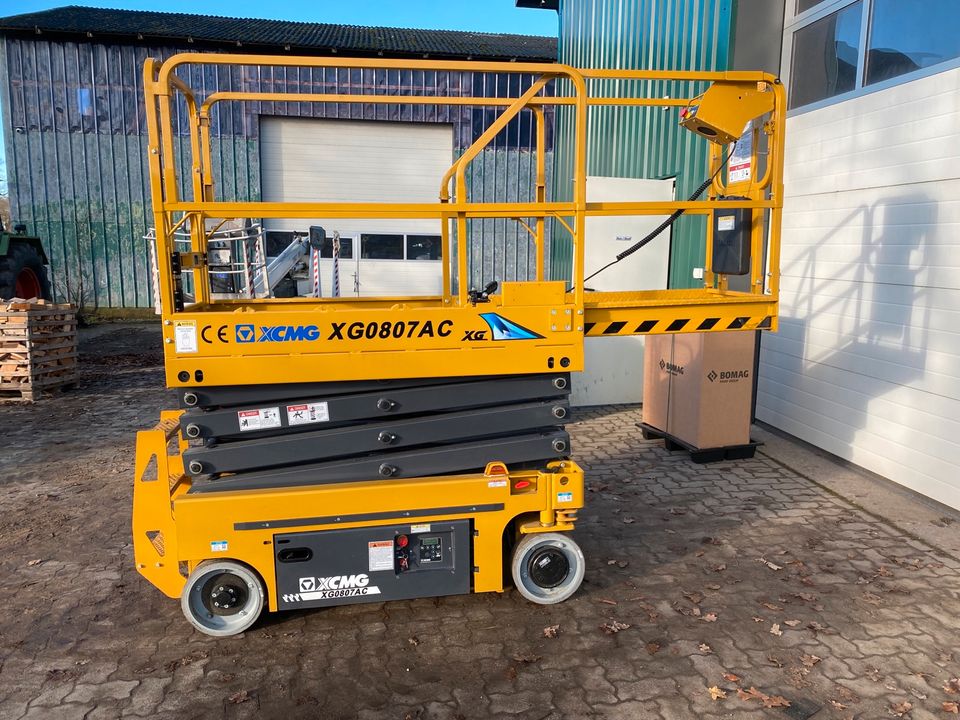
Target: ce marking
point(221, 334)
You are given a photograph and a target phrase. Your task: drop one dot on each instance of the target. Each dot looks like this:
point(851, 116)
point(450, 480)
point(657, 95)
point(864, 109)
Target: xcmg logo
point(276, 333)
point(335, 582)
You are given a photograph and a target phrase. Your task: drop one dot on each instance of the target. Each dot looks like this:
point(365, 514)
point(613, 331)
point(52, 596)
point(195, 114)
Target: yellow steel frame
point(173, 530)
point(560, 317)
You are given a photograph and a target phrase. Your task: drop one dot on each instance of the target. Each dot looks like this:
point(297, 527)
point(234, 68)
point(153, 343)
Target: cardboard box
point(698, 387)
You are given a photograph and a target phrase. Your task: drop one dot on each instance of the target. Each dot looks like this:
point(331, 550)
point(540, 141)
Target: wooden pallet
point(38, 349)
point(700, 455)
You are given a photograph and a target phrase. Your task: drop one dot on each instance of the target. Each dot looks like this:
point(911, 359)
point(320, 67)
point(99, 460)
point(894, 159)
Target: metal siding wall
point(641, 142)
point(76, 148)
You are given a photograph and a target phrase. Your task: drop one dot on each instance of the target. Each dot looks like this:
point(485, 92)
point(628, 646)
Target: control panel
point(386, 562)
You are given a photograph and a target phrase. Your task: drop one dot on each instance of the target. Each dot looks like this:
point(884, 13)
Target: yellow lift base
point(178, 537)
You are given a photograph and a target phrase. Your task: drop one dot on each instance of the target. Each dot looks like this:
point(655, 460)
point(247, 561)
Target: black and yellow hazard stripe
point(662, 325)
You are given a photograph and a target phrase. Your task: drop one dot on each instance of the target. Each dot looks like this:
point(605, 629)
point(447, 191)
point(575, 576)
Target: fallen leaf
point(678, 511)
point(614, 626)
point(551, 631)
point(773, 660)
point(917, 694)
point(792, 623)
point(705, 649)
point(810, 660)
point(901, 709)
point(713, 587)
point(838, 705)
point(653, 647)
point(525, 657)
point(730, 677)
point(711, 541)
point(239, 697)
point(413, 641)
point(775, 630)
point(771, 606)
point(816, 627)
point(951, 707)
point(607, 602)
point(751, 694)
point(629, 520)
point(695, 597)
point(622, 563)
point(758, 619)
point(717, 694)
point(32, 563)
point(719, 568)
point(772, 566)
point(775, 701)
point(952, 687)
point(709, 617)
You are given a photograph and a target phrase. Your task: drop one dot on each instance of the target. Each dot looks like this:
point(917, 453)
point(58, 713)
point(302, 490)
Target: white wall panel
point(867, 361)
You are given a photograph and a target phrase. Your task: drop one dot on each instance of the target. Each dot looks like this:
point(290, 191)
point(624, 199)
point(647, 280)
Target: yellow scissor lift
point(407, 446)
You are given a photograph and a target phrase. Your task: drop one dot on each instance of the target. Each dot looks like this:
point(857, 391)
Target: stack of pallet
point(38, 348)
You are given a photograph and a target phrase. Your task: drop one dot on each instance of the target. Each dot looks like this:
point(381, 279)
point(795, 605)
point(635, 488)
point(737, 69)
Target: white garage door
point(311, 160)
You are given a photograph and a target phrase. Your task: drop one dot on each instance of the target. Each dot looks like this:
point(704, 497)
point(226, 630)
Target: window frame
point(793, 22)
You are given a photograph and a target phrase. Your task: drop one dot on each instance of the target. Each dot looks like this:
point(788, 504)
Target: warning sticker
point(741, 162)
point(726, 222)
point(307, 413)
point(262, 419)
point(380, 555)
point(421, 528)
point(185, 336)
point(564, 497)
point(218, 546)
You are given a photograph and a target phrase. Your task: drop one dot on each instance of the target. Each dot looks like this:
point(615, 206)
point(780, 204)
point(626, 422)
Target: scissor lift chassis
point(411, 486)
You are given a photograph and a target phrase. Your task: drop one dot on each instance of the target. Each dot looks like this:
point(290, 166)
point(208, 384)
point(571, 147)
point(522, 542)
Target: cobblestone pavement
point(740, 579)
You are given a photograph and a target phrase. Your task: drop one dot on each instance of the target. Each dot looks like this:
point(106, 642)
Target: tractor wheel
point(22, 274)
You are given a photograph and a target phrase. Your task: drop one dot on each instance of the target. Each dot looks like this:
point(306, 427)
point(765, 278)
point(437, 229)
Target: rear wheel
point(547, 567)
point(222, 598)
point(22, 273)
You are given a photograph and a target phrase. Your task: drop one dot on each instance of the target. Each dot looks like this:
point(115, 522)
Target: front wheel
point(222, 598)
point(547, 567)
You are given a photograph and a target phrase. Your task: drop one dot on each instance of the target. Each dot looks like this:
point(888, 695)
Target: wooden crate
point(38, 349)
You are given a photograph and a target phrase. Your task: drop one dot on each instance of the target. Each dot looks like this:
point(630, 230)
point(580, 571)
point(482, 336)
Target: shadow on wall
point(860, 329)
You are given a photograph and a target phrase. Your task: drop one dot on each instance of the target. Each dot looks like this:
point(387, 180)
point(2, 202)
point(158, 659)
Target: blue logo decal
point(503, 329)
point(246, 334)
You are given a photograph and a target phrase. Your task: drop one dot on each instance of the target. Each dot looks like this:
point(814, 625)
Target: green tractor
point(23, 265)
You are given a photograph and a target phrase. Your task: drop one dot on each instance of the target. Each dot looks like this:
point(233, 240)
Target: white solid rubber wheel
point(222, 598)
point(547, 567)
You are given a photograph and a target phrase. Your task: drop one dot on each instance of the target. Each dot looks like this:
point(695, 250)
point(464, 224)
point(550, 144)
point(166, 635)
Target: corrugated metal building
point(75, 134)
point(644, 142)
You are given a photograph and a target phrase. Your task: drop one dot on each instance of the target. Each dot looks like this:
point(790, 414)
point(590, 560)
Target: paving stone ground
point(744, 577)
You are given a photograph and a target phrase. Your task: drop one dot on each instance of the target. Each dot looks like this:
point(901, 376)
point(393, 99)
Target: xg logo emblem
point(711, 376)
point(246, 334)
point(308, 584)
point(663, 363)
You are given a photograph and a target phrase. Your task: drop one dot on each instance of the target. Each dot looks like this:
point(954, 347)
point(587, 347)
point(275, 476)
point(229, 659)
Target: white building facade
point(866, 364)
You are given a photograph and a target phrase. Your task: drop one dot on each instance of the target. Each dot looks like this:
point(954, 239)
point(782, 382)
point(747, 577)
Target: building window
point(346, 248)
point(828, 52)
point(381, 247)
point(838, 47)
point(804, 5)
point(905, 37)
point(423, 247)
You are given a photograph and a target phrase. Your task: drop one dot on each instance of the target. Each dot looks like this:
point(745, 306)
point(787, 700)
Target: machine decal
point(380, 555)
point(336, 586)
point(387, 329)
point(206, 333)
point(307, 413)
point(246, 334)
point(262, 419)
point(185, 336)
point(564, 497)
point(218, 546)
point(503, 329)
